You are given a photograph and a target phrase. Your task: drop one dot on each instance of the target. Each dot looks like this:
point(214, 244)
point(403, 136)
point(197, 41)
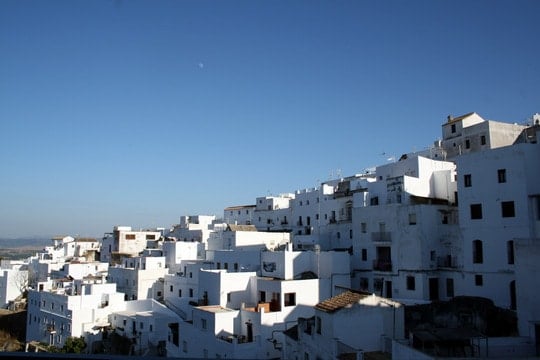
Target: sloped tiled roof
point(232, 227)
point(454, 119)
point(340, 301)
point(239, 207)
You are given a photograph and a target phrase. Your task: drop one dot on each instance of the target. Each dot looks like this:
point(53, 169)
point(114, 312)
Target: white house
point(63, 307)
point(346, 326)
point(139, 277)
point(12, 284)
point(147, 323)
point(124, 241)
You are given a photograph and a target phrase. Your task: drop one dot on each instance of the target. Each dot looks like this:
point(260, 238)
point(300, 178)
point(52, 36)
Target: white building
point(139, 277)
point(346, 326)
point(238, 312)
point(12, 284)
point(404, 225)
point(63, 308)
point(246, 237)
point(239, 215)
point(147, 323)
point(124, 241)
point(471, 133)
point(498, 203)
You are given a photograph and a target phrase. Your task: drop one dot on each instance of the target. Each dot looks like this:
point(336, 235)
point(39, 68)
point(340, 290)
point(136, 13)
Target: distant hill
point(15, 243)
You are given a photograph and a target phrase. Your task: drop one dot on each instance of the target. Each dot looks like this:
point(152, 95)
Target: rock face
point(12, 330)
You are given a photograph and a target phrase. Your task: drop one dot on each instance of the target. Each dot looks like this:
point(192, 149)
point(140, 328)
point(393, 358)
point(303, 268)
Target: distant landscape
point(21, 248)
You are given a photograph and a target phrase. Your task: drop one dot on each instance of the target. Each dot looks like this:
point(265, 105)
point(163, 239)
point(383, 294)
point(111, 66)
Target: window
point(374, 200)
point(318, 324)
point(235, 266)
point(363, 226)
point(130, 236)
point(412, 219)
point(350, 234)
point(453, 128)
point(467, 180)
point(364, 283)
point(190, 292)
point(478, 280)
point(467, 144)
point(179, 292)
point(229, 297)
point(151, 327)
point(450, 287)
point(364, 254)
point(510, 251)
point(184, 346)
point(338, 235)
point(501, 175)
point(203, 324)
point(507, 209)
point(290, 299)
point(476, 211)
point(151, 237)
point(410, 283)
point(171, 288)
point(141, 325)
point(478, 252)
point(483, 140)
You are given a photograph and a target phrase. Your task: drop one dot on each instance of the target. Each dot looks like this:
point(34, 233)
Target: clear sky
point(131, 112)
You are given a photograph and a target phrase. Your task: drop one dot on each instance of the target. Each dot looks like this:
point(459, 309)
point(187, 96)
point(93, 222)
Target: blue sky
point(137, 112)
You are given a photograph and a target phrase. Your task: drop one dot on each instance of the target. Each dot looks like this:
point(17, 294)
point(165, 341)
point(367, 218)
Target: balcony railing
point(381, 236)
point(447, 261)
point(382, 265)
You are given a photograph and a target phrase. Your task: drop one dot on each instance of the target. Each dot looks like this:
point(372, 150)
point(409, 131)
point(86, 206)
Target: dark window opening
point(476, 211)
point(478, 252)
point(507, 209)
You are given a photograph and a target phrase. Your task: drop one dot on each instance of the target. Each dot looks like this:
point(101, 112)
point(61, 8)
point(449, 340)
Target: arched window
point(478, 252)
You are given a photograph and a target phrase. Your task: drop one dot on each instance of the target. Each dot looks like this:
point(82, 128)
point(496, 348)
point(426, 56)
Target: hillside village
point(347, 270)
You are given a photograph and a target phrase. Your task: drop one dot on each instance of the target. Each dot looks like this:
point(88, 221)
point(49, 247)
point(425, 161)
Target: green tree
point(74, 345)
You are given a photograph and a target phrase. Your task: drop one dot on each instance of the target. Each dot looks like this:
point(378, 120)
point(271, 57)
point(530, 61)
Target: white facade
point(347, 325)
point(147, 323)
point(64, 308)
point(498, 203)
point(140, 277)
point(239, 215)
point(12, 284)
point(235, 237)
point(124, 241)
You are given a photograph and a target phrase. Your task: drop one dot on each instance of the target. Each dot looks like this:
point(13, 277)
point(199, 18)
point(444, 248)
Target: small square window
point(507, 209)
point(483, 140)
point(412, 219)
point(467, 144)
point(476, 211)
point(453, 128)
point(290, 299)
point(478, 280)
point(364, 254)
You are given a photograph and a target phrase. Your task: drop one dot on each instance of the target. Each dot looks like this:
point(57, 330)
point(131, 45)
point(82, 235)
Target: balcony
point(382, 265)
point(381, 236)
point(447, 261)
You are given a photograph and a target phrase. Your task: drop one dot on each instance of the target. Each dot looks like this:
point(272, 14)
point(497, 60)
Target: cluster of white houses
point(322, 273)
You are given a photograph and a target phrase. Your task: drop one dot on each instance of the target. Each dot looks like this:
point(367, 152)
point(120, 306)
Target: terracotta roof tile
point(340, 301)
